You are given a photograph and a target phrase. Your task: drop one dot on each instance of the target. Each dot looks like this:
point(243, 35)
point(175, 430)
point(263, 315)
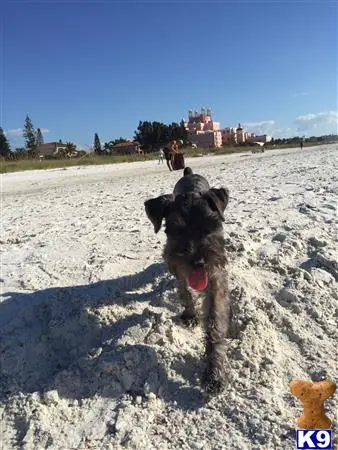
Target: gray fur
point(191, 183)
point(193, 223)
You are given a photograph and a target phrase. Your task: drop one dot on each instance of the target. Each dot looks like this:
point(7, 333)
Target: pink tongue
point(198, 280)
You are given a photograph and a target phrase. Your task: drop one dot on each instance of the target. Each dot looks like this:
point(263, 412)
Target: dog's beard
point(180, 260)
point(182, 267)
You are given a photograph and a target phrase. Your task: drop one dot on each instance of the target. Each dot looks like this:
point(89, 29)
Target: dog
point(195, 255)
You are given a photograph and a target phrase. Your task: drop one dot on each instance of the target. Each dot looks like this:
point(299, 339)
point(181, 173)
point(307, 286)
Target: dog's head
point(193, 225)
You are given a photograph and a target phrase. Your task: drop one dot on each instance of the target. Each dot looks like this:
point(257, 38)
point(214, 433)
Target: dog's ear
point(218, 200)
point(157, 209)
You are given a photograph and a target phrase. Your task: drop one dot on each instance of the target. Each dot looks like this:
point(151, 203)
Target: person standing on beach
point(160, 156)
point(177, 158)
point(174, 147)
point(301, 144)
point(167, 155)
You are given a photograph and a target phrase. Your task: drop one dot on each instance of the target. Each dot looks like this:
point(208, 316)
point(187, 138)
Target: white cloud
point(308, 125)
point(15, 132)
point(325, 122)
point(260, 124)
point(262, 127)
point(18, 132)
point(302, 94)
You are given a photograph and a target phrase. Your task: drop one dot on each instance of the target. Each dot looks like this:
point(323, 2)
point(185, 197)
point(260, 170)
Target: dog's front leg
point(217, 320)
point(189, 315)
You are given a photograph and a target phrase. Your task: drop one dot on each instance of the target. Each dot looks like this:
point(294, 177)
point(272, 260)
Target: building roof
point(127, 144)
point(49, 148)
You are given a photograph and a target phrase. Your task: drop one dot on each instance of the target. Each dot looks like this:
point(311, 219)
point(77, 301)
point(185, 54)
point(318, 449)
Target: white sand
point(91, 354)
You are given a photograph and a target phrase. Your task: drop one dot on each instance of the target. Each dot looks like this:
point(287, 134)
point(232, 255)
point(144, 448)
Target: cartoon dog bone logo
point(313, 396)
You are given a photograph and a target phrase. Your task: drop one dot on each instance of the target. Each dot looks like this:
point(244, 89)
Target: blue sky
point(80, 67)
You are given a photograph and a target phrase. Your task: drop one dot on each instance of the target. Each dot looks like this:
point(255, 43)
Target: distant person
point(160, 156)
point(167, 156)
point(177, 158)
point(301, 145)
point(174, 147)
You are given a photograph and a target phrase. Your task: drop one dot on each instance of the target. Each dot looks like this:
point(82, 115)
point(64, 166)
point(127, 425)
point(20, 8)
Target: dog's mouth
point(198, 279)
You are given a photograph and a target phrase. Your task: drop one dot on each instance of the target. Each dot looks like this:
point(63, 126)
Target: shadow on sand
point(58, 338)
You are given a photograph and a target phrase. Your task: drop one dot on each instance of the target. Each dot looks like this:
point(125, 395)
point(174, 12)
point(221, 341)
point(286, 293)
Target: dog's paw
point(214, 387)
point(189, 320)
point(213, 382)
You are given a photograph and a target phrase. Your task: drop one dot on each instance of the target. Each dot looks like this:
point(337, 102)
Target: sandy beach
point(92, 355)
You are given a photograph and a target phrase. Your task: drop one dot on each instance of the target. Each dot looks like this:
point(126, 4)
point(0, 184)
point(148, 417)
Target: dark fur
point(193, 224)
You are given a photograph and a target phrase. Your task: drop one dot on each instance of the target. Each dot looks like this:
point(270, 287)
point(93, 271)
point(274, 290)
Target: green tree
point(97, 144)
point(20, 153)
point(108, 146)
point(143, 134)
point(71, 148)
point(39, 138)
point(5, 149)
point(153, 135)
point(68, 151)
point(29, 134)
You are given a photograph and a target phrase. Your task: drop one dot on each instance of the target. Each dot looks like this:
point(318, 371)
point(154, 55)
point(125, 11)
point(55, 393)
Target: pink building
point(240, 133)
point(240, 136)
point(229, 135)
point(203, 130)
point(235, 135)
point(207, 139)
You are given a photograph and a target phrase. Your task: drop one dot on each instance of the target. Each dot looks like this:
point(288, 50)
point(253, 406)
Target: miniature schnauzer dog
point(195, 255)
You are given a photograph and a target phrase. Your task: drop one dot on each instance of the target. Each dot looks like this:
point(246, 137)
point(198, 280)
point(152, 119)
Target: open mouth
point(198, 279)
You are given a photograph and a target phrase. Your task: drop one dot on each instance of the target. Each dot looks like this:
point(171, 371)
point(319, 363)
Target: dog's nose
point(198, 263)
